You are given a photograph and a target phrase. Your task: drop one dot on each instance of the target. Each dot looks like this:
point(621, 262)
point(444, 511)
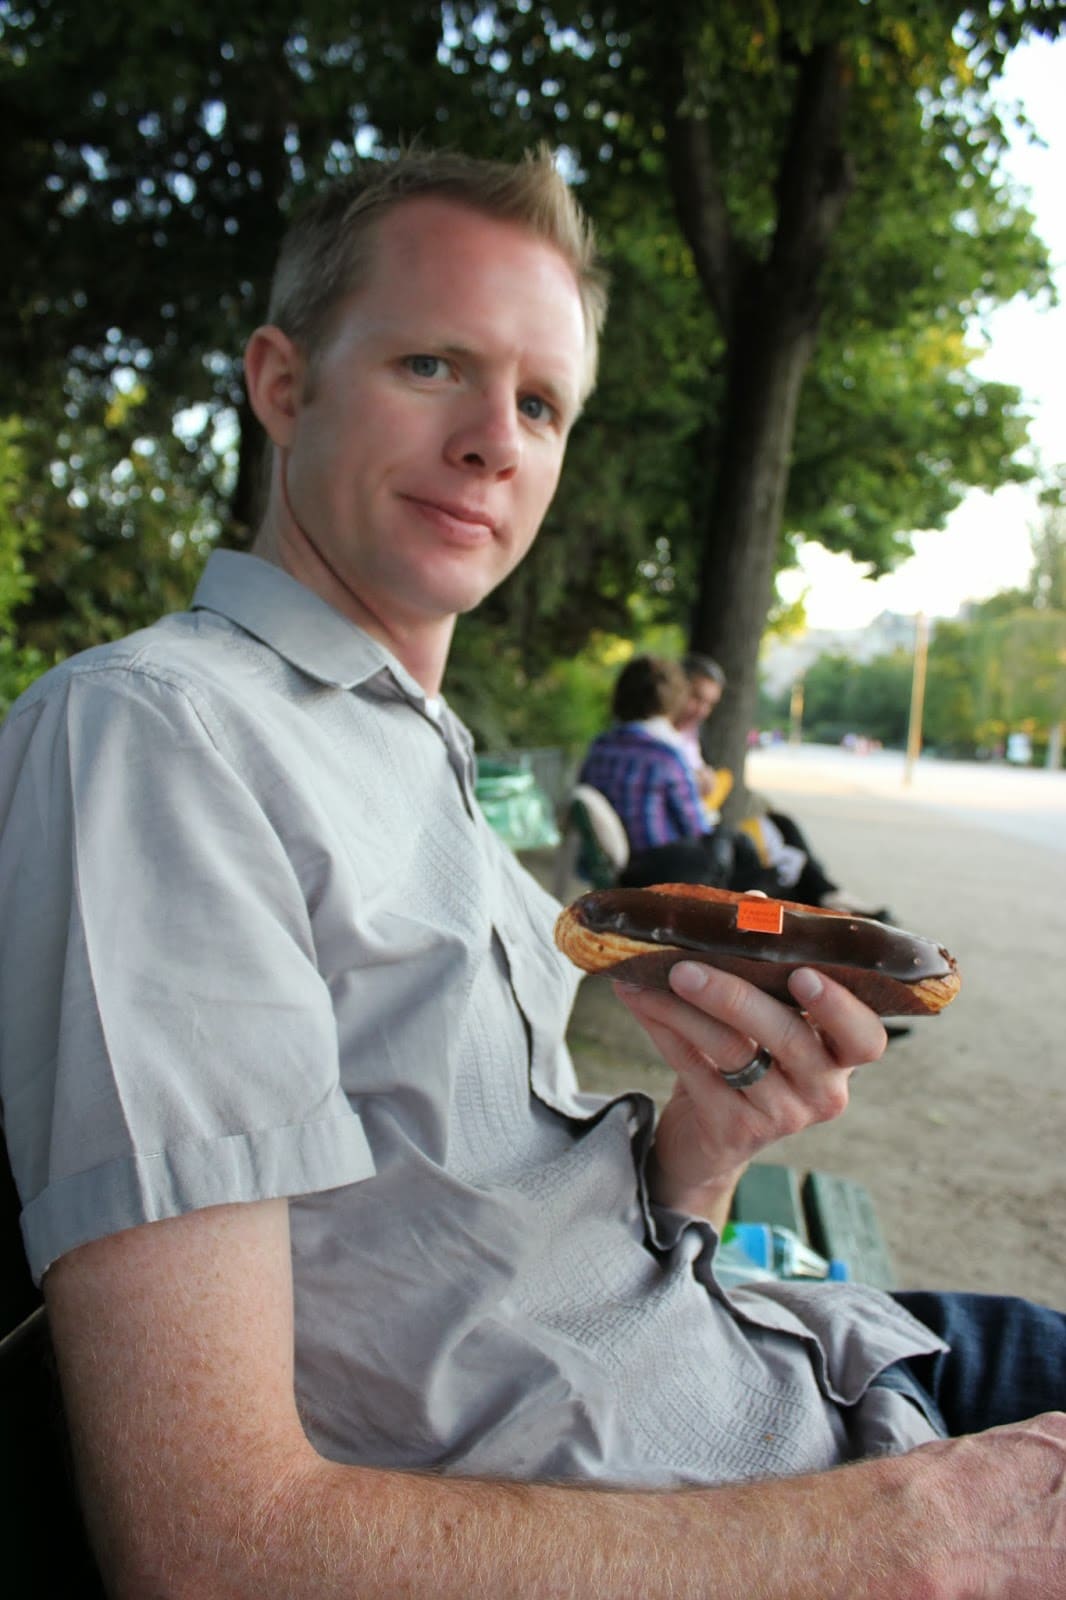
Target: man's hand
point(714, 1023)
point(996, 1510)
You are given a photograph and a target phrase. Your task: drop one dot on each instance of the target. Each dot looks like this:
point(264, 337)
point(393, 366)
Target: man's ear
point(274, 372)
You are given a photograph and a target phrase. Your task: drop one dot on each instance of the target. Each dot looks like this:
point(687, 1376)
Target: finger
point(846, 1032)
point(775, 1106)
point(815, 1068)
point(693, 1065)
point(727, 1001)
point(698, 1035)
point(741, 1124)
point(700, 1049)
point(851, 1032)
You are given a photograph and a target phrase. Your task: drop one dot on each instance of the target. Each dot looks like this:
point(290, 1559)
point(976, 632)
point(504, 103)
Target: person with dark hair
point(705, 683)
point(639, 766)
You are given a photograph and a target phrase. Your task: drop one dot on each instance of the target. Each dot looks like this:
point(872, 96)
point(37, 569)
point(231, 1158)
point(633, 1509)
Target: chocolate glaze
point(709, 927)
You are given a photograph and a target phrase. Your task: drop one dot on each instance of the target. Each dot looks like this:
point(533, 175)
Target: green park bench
point(832, 1218)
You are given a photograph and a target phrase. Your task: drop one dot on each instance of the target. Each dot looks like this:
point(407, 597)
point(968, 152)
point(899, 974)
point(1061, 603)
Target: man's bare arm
point(174, 1343)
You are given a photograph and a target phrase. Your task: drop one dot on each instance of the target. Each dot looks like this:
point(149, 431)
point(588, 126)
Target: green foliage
point(844, 696)
point(1002, 669)
point(858, 219)
point(883, 693)
point(567, 703)
point(1019, 665)
point(951, 724)
point(825, 699)
point(163, 146)
point(19, 535)
point(506, 709)
point(891, 433)
point(18, 669)
point(1048, 584)
point(153, 157)
point(124, 527)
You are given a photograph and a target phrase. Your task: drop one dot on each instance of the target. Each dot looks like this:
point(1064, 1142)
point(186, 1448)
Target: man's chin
point(468, 591)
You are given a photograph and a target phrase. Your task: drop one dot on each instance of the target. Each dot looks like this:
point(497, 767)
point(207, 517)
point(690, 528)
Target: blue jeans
point(1007, 1360)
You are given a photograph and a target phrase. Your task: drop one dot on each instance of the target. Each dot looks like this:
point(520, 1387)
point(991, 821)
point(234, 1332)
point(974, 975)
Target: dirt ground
point(960, 1131)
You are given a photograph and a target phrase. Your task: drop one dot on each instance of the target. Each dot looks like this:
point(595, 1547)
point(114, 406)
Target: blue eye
point(425, 366)
point(536, 409)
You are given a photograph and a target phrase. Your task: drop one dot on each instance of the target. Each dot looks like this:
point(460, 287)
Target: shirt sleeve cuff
point(268, 1164)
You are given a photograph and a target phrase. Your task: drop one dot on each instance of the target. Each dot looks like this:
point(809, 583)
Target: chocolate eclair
point(639, 934)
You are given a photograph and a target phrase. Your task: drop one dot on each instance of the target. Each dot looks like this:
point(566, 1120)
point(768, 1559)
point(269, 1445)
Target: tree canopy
point(801, 210)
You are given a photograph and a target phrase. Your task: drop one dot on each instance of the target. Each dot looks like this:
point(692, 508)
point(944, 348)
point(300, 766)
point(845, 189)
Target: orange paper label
point(760, 916)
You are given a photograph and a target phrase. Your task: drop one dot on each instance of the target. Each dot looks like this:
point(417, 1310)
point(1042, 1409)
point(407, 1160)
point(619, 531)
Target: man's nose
point(487, 438)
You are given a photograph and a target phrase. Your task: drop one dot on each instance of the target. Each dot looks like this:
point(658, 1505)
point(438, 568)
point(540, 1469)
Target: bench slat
point(842, 1225)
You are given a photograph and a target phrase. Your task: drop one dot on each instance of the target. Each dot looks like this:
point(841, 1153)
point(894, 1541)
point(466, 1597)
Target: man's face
point(703, 695)
point(429, 441)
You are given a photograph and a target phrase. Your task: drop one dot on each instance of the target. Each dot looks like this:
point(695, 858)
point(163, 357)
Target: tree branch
point(816, 174)
point(694, 177)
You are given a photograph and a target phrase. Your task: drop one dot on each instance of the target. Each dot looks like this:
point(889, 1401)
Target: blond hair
point(328, 252)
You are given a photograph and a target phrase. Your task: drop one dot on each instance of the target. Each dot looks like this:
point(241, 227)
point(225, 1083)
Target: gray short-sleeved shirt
point(258, 941)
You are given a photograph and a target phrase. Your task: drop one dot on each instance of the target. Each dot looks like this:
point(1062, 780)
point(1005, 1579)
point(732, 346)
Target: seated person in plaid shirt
point(642, 769)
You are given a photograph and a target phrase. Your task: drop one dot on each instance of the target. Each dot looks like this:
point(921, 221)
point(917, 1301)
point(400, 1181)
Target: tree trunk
point(770, 351)
point(768, 310)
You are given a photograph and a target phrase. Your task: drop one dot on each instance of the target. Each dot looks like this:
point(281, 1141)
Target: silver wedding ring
point(757, 1068)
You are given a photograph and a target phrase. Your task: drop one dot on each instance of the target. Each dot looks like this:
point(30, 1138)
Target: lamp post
point(795, 713)
point(914, 727)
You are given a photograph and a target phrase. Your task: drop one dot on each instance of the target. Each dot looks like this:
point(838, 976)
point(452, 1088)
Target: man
point(705, 685)
point(349, 1286)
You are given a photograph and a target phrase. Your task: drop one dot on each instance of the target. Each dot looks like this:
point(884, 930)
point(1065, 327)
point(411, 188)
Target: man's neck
point(421, 647)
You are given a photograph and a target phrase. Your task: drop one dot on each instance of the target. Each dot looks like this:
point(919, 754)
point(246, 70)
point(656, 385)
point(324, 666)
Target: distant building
point(785, 660)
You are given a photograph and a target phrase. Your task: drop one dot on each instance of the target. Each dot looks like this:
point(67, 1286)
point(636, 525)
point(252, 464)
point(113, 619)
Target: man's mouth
point(465, 522)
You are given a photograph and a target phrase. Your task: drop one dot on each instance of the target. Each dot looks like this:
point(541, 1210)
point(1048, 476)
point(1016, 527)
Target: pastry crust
point(628, 935)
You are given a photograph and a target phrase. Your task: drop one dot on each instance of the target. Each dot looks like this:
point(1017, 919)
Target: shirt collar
point(662, 728)
point(295, 622)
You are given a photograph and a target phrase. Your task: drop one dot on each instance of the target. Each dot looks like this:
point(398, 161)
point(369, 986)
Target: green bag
point(515, 806)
